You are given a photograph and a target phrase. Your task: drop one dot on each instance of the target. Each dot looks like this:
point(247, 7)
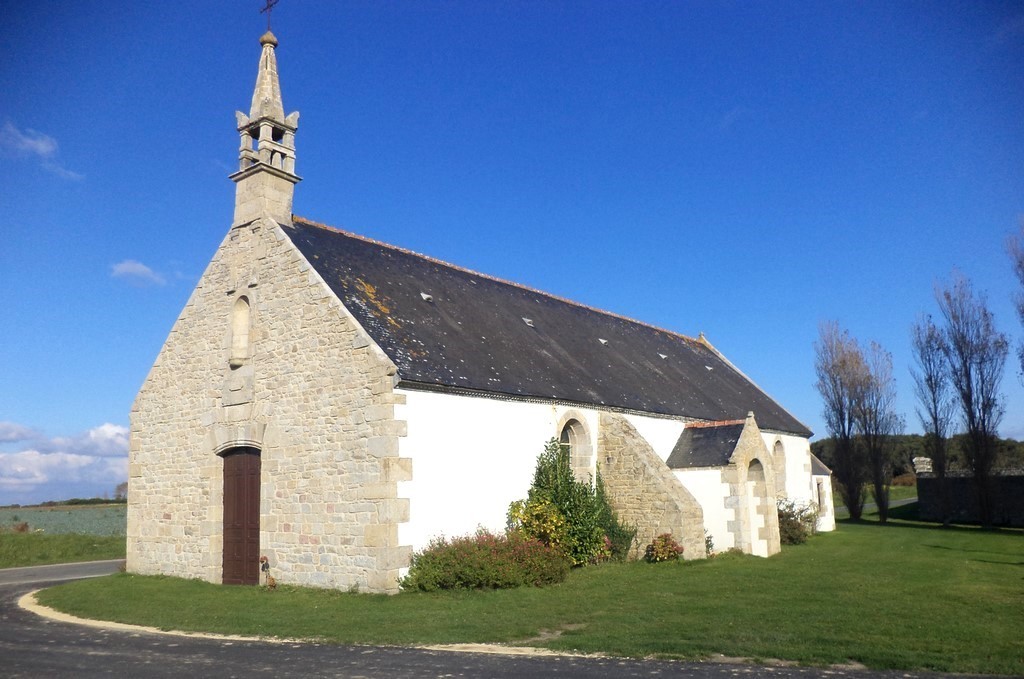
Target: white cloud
point(28, 142)
point(61, 171)
point(103, 441)
point(136, 273)
point(33, 144)
point(11, 432)
point(89, 464)
point(32, 467)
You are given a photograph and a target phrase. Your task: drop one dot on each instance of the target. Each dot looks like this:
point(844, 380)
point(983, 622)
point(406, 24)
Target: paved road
point(32, 646)
point(58, 572)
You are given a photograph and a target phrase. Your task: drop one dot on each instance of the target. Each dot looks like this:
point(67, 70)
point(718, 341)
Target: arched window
point(574, 440)
point(239, 332)
point(779, 467)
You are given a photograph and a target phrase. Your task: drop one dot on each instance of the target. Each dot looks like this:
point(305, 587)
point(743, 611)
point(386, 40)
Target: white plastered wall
point(823, 496)
point(661, 433)
point(800, 486)
point(798, 464)
point(708, 488)
point(473, 456)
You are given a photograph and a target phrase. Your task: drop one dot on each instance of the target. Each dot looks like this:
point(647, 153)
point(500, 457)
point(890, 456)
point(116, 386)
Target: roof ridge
point(713, 423)
point(489, 277)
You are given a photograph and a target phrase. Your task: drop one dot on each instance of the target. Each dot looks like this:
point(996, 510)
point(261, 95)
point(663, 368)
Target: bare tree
point(976, 355)
point(935, 402)
point(121, 491)
point(874, 414)
point(839, 366)
point(1015, 246)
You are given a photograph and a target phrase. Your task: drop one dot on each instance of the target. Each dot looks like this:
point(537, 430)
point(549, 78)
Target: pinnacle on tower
point(266, 157)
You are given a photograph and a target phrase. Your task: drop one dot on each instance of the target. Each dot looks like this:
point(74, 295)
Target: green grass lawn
point(896, 493)
point(904, 595)
point(34, 549)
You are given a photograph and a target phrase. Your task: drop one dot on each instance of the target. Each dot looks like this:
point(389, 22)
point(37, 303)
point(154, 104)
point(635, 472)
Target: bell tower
point(265, 181)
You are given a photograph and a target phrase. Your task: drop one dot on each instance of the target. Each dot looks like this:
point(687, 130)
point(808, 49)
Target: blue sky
point(744, 169)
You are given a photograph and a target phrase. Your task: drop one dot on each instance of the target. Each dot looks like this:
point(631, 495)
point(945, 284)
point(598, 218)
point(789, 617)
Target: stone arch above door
point(224, 436)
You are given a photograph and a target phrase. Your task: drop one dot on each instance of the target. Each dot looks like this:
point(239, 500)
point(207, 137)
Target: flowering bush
point(604, 552)
point(485, 561)
point(663, 548)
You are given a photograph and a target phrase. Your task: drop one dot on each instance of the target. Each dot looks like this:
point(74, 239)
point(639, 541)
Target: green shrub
point(663, 548)
point(485, 561)
point(539, 519)
point(796, 522)
point(589, 531)
point(709, 544)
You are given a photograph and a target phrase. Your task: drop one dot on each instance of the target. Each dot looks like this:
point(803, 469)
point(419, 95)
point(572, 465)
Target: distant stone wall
point(1007, 491)
point(308, 389)
point(644, 491)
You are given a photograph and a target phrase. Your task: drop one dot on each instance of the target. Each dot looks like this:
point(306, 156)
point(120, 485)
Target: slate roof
point(705, 445)
point(450, 328)
point(818, 467)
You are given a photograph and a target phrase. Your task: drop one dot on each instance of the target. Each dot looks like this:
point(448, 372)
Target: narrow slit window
point(239, 332)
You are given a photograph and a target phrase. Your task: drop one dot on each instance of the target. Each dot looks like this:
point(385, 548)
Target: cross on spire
point(268, 9)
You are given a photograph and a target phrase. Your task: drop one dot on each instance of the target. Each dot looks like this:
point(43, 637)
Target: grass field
point(901, 596)
point(28, 549)
point(62, 519)
point(61, 534)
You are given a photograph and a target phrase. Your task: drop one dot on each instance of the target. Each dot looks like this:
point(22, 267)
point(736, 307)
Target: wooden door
point(242, 516)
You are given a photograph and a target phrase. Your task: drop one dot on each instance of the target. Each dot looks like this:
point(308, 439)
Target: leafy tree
point(840, 369)
point(976, 356)
point(935, 402)
point(876, 421)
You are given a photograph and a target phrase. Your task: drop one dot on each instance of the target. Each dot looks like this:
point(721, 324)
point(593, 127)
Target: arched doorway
point(241, 516)
point(757, 506)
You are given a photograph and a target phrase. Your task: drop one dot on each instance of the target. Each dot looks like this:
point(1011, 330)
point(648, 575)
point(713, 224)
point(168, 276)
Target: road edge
point(28, 602)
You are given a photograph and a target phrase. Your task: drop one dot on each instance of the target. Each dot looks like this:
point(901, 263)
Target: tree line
point(905, 447)
point(959, 361)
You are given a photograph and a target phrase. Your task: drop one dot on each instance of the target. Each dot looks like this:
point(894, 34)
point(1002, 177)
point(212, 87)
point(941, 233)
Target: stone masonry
point(644, 491)
point(752, 493)
point(314, 395)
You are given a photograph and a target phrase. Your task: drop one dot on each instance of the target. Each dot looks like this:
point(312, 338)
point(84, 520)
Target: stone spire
point(266, 157)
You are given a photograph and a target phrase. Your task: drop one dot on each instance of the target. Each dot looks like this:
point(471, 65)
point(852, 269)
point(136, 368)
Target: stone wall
point(752, 494)
point(312, 393)
point(1008, 498)
point(644, 491)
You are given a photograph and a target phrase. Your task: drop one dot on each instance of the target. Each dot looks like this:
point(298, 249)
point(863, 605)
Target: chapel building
point(332, 403)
